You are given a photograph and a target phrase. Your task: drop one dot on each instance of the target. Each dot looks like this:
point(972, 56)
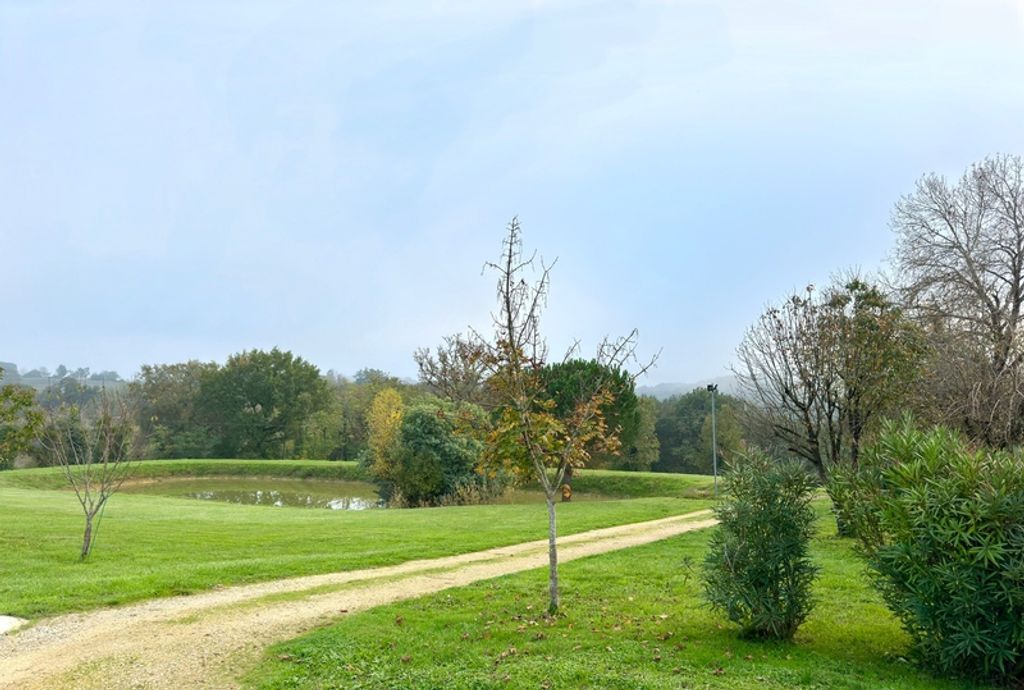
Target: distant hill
point(43, 378)
point(661, 391)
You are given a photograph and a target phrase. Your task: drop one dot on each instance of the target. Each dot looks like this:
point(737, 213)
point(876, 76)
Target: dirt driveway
point(206, 640)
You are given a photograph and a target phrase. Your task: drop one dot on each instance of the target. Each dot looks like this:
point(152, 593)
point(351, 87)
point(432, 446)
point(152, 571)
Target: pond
point(262, 491)
point(331, 494)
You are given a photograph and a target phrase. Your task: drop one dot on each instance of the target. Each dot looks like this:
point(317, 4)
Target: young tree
point(94, 454)
point(529, 437)
point(384, 421)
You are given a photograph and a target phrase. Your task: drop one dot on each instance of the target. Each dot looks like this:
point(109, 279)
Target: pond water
point(292, 493)
point(295, 493)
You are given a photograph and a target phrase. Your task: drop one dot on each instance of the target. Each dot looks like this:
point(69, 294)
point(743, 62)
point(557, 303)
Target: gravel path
point(206, 640)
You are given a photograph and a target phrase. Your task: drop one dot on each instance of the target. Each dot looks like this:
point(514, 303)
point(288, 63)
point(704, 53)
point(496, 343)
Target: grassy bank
point(637, 484)
point(52, 478)
point(631, 619)
point(605, 482)
point(150, 546)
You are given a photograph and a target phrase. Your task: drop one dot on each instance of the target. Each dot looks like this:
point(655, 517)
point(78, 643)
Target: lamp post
point(712, 389)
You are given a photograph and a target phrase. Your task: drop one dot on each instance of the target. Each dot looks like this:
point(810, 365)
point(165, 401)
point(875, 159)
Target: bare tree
point(455, 371)
point(529, 438)
point(786, 364)
point(960, 262)
point(94, 452)
point(825, 368)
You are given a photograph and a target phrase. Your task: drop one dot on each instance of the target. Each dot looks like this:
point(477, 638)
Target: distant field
point(149, 546)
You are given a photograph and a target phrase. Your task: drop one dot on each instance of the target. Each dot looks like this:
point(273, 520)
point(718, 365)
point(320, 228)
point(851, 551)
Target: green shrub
point(436, 456)
point(850, 489)
point(943, 527)
point(190, 443)
point(757, 570)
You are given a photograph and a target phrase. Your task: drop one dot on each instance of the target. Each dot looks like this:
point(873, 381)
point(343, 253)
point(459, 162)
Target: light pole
point(712, 389)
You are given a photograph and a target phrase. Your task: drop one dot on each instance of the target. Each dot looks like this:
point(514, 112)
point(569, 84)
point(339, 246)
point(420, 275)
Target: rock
point(10, 624)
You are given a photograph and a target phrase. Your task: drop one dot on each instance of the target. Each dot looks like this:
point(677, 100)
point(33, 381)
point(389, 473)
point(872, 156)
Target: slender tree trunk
point(567, 481)
point(87, 539)
point(552, 554)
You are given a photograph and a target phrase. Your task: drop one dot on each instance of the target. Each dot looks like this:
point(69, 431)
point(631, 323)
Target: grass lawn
point(150, 546)
point(52, 478)
point(639, 484)
point(630, 619)
point(614, 483)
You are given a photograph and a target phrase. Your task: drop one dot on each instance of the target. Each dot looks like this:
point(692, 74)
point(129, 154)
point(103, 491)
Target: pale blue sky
point(185, 180)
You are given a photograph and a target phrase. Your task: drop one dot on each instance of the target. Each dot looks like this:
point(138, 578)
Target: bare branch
point(94, 454)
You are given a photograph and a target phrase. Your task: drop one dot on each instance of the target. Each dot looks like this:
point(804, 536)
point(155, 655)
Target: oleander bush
point(943, 528)
point(757, 570)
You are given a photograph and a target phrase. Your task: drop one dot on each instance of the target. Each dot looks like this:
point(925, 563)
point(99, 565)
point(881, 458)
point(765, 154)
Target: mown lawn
point(52, 478)
point(605, 482)
point(631, 619)
point(151, 546)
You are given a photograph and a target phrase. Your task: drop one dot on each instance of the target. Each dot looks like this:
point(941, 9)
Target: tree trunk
point(552, 555)
point(567, 482)
point(87, 539)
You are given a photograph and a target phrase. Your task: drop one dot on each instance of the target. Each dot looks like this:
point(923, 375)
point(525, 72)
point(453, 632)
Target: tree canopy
point(823, 368)
point(258, 403)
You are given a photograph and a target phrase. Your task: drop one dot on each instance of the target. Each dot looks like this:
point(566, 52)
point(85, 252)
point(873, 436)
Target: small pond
point(331, 494)
point(261, 491)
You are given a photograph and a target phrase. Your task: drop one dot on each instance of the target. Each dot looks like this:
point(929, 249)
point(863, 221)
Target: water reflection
point(290, 493)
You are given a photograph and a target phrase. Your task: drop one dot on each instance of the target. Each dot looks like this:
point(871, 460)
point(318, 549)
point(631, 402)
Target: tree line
point(273, 404)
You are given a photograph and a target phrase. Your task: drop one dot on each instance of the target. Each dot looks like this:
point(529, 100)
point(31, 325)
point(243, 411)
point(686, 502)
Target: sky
point(187, 180)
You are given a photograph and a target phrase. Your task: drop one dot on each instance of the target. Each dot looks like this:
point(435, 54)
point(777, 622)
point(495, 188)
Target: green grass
point(151, 546)
point(631, 619)
point(639, 484)
point(52, 477)
point(605, 482)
